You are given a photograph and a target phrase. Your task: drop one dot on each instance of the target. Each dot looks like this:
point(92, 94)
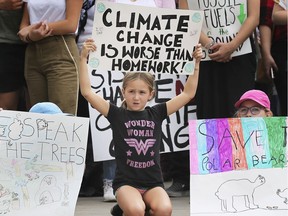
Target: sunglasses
point(253, 110)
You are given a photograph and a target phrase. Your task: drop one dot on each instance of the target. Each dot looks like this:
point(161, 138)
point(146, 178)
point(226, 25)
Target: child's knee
point(163, 210)
point(135, 210)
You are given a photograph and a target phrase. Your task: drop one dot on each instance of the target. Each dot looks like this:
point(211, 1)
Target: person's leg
point(130, 201)
point(109, 168)
point(220, 85)
point(9, 100)
point(158, 201)
point(279, 53)
point(60, 67)
point(35, 79)
point(24, 100)
point(12, 74)
point(92, 184)
point(180, 173)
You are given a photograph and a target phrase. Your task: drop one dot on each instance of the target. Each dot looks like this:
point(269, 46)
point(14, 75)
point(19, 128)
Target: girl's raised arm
point(190, 87)
point(95, 100)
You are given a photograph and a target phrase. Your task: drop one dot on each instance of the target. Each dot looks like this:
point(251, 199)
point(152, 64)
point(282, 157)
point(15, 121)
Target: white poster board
point(239, 167)
point(222, 21)
point(145, 39)
point(108, 83)
point(42, 160)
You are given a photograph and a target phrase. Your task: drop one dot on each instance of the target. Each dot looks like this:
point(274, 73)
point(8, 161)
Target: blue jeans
point(109, 168)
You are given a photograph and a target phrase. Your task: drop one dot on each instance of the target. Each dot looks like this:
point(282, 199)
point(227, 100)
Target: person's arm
point(29, 33)
point(265, 37)
point(95, 100)
point(25, 27)
point(70, 23)
point(10, 4)
point(183, 4)
point(190, 87)
point(223, 51)
point(25, 22)
point(279, 15)
point(67, 26)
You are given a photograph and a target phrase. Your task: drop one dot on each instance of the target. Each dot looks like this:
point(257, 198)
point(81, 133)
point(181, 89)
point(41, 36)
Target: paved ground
point(94, 206)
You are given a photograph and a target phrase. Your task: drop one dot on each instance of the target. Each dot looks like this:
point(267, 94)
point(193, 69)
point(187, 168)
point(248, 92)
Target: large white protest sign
point(238, 166)
point(108, 83)
point(222, 21)
point(145, 39)
point(42, 160)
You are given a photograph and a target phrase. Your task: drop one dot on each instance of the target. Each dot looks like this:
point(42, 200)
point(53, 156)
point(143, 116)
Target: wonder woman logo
point(140, 146)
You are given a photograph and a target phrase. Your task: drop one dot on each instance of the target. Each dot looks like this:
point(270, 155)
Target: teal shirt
point(9, 26)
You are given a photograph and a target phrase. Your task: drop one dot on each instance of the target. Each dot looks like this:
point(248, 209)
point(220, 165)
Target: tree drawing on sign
point(237, 188)
point(15, 129)
point(48, 191)
point(283, 194)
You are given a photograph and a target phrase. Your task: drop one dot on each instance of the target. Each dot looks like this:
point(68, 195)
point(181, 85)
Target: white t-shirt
point(283, 4)
point(50, 11)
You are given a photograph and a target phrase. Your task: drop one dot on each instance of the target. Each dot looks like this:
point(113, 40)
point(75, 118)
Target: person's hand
point(221, 52)
point(269, 63)
point(88, 46)
point(198, 54)
point(35, 32)
point(39, 32)
point(10, 4)
point(26, 30)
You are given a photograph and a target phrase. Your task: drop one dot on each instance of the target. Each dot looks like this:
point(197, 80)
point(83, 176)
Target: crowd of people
point(42, 43)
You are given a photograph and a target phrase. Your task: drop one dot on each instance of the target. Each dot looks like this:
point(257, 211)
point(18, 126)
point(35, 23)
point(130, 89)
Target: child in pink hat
point(253, 103)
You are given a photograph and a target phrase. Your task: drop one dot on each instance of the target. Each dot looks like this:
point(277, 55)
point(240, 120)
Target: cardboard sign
point(144, 39)
point(42, 159)
point(222, 22)
point(239, 165)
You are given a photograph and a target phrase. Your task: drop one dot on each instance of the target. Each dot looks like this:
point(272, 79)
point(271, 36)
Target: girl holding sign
point(137, 135)
point(85, 31)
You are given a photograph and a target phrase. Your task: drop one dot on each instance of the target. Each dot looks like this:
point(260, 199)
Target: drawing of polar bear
point(283, 194)
point(236, 188)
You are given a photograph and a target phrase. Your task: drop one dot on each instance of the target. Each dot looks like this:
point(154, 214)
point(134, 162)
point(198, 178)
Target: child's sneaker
point(178, 189)
point(108, 191)
point(116, 210)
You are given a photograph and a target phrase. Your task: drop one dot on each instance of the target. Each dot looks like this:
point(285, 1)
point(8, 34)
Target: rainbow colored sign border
point(221, 145)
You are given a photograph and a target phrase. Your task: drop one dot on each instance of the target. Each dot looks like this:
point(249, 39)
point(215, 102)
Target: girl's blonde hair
point(148, 78)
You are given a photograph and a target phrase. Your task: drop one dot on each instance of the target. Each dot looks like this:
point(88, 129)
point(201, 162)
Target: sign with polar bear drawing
point(42, 159)
point(239, 166)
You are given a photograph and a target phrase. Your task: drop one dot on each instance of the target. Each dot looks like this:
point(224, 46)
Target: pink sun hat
point(256, 95)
